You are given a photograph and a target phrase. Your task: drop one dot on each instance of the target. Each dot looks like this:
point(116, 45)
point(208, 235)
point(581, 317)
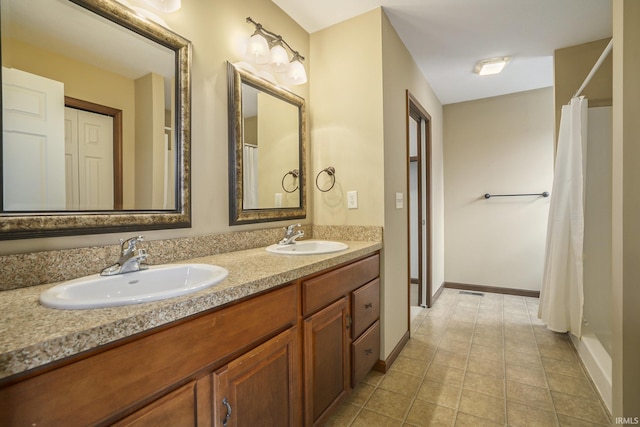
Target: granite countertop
point(32, 335)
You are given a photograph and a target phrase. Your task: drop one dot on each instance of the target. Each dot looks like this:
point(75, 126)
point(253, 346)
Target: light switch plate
point(278, 200)
point(399, 200)
point(352, 200)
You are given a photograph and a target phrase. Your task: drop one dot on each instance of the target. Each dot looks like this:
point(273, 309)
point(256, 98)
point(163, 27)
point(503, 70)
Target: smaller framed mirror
point(267, 134)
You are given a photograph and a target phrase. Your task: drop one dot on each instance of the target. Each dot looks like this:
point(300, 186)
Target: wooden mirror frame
point(22, 225)
point(238, 215)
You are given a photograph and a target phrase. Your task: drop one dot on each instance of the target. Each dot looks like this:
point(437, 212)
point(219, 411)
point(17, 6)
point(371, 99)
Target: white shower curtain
point(250, 177)
point(561, 295)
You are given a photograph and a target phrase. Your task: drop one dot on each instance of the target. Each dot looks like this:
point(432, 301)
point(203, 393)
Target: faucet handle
point(291, 227)
point(129, 245)
point(142, 256)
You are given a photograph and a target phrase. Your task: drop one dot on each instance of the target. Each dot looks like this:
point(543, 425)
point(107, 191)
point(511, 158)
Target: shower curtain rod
point(595, 68)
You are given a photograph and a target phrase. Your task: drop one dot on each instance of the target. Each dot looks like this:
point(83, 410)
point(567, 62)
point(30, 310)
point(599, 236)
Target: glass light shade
point(279, 58)
point(296, 75)
point(166, 6)
point(258, 49)
point(490, 66)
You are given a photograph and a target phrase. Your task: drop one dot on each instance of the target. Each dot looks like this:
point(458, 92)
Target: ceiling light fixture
point(490, 66)
point(266, 47)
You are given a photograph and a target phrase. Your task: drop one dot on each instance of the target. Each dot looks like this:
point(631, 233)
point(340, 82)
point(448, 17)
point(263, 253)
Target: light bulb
point(258, 49)
point(279, 58)
point(296, 75)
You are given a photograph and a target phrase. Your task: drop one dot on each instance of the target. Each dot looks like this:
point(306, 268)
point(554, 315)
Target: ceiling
point(447, 37)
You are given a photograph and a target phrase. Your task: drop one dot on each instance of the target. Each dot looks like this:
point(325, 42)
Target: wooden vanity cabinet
point(159, 378)
point(285, 357)
point(341, 311)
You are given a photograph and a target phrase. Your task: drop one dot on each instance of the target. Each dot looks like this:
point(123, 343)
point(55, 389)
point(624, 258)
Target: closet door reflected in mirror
point(266, 150)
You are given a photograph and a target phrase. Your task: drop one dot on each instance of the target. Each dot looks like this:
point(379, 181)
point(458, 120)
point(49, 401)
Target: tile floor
point(478, 361)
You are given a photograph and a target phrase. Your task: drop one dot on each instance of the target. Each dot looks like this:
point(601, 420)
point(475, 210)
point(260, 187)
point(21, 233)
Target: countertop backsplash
point(36, 268)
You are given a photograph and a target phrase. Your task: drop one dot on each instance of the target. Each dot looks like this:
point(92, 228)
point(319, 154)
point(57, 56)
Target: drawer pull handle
point(226, 403)
point(349, 321)
point(368, 351)
point(368, 305)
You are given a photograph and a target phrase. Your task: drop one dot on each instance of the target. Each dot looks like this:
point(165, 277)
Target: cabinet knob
point(349, 321)
point(368, 351)
point(368, 305)
point(226, 403)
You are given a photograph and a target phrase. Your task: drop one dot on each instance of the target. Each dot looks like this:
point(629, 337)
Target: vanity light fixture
point(267, 47)
point(490, 66)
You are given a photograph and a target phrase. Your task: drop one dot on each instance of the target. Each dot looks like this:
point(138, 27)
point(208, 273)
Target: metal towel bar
point(543, 194)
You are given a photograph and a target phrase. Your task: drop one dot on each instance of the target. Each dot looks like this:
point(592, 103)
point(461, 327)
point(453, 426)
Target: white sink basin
point(157, 283)
point(308, 247)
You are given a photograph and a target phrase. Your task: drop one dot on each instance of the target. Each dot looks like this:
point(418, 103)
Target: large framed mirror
point(96, 108)
point(267, 134)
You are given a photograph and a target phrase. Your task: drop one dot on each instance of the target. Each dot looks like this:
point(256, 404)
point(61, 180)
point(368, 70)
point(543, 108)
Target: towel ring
point(295, 173)
point(331, 171)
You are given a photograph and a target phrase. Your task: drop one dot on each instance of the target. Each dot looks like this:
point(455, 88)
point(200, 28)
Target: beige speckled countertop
point(32, 335)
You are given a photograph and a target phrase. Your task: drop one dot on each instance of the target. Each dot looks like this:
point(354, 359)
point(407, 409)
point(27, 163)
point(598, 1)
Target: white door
point(71, 158)
point(33, 160)
point(90, 160)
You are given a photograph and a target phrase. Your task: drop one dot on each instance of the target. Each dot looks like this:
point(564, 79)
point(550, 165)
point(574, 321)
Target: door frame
point(116, 114)
point(415, 110)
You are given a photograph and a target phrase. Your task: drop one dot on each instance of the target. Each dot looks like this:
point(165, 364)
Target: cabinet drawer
point(365, 352)
point(326, 288)
point(365, 307)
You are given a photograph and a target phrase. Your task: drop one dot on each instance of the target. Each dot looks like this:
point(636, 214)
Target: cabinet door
point(326, 360)
point(260, 388)
point(176, 409)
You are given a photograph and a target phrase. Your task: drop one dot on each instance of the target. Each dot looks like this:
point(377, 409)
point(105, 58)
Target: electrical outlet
point(278, 200)
point(352, 200)
point(399, 200)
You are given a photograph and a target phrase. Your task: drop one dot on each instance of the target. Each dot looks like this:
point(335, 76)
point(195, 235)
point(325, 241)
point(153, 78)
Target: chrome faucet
point(131, 259)
point(290, 235)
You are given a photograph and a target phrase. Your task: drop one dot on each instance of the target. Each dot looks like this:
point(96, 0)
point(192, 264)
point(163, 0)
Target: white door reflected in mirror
point(89, 160)
point(33, 159)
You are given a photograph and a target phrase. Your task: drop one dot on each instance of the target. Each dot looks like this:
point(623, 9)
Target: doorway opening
point(419, 204)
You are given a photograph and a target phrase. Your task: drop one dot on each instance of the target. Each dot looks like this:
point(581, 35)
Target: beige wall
point(401, 74)
point(358, 120)
point(499, 145)
point(83, 81)
point(626, 208)
point(347, 120)
point(278, 150)
point(150, 144)
point(571, 65)
point(217, 31)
